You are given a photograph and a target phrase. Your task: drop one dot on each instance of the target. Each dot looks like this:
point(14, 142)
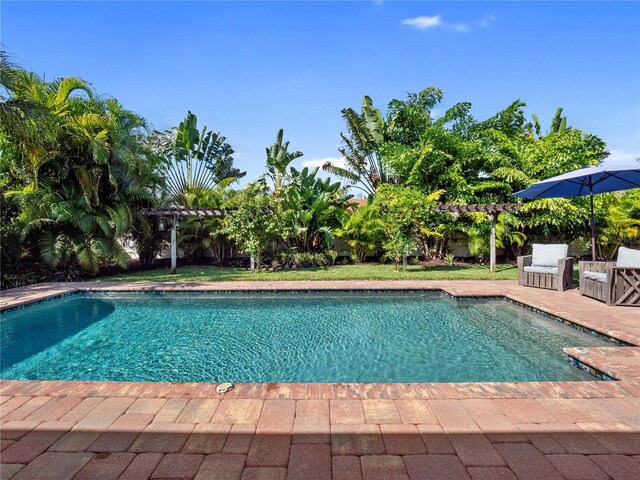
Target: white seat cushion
point(548, 255)
point(628, 258)
point(597, 276)
point(539, 269)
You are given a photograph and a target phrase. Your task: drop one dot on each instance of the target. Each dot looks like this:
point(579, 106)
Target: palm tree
point(68, 157)
point(195, 159)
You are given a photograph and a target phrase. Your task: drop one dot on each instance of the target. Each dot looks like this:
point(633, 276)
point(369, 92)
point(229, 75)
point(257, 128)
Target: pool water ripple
point(286, 337)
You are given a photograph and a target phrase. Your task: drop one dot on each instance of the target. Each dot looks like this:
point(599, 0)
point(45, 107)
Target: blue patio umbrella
point(585, 181)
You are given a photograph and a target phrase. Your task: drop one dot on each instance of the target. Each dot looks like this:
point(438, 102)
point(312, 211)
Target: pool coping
point(603, 365)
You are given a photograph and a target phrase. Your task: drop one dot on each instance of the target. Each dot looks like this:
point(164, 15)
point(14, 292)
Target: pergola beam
point(484, 208)
point(184, 212)
point(173, 213)
point(491, 209)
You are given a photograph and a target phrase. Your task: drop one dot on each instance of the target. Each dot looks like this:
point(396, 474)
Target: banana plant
point(558, 124)
point(311, 209)
point(278, 159)
point(363, 168)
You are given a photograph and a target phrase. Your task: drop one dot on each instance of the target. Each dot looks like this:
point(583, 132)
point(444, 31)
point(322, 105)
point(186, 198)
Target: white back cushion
point(628, 258)
point(548, 255)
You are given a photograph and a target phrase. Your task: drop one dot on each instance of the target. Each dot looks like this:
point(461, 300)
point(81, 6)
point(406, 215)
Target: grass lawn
point(340, 272)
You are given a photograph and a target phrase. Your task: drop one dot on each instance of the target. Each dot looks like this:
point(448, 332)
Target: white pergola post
point(493, 217)
point(174, 225)
point(172, 214)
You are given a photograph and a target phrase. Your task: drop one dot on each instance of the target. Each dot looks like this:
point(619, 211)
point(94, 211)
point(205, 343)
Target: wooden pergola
point(491, 209)
point(184, 212)
point(173, 213)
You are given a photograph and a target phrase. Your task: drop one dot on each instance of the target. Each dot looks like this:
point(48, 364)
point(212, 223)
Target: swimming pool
point(285, 337)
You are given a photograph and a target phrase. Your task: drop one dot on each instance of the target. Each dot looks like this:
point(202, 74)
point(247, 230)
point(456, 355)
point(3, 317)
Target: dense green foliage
point(462, 160)
point(73, 178)
point(406, 213)
point(77, 169)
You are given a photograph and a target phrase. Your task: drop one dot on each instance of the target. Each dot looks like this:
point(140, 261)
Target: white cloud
point(487, 20)
point(425, 22)
point(422, 23)
point(319, 162)
point(461, 27)
point(618, 156)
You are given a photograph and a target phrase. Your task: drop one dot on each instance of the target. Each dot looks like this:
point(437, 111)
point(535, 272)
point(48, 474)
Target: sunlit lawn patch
point(340, 272)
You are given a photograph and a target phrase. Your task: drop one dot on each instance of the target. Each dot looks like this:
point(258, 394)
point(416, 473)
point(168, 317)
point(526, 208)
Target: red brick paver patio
point(535, 430)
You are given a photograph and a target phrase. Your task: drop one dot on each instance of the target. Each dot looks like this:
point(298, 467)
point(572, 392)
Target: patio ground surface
point(536, 430)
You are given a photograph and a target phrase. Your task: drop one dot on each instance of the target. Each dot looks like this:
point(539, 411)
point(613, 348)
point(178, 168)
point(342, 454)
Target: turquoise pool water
point(285, 337)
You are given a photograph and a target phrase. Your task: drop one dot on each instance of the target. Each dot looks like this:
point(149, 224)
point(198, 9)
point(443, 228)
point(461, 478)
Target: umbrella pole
point(592, 224)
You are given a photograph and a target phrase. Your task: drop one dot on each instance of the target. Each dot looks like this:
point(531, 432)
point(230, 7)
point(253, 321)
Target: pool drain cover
point(224, 387)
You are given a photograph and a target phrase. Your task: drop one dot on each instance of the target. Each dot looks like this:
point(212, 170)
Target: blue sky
point(246, 69)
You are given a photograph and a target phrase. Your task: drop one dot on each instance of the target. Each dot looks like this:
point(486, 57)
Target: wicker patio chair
point(615, 283)
point(547, 267)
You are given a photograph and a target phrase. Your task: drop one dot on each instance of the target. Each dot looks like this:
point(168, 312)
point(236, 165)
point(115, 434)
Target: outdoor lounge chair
point(547, 267)
point(615, 283)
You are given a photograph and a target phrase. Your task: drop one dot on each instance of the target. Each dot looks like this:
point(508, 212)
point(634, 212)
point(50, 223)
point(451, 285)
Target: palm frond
point(67, 86)
point(340, 172)
point(87, 256)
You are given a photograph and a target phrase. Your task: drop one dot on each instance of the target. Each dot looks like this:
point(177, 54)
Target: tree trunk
point(146, 257)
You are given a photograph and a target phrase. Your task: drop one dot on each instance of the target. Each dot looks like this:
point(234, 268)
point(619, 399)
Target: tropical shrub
point(362, 230)
point(403, 209)
point(197, 235)
point(621, 225)
point(450, 260)
point(292, 259)
point(252, 221)
point(506, 236)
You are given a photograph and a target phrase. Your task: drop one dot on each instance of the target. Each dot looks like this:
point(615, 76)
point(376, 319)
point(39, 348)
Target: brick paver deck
point(534, 430)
